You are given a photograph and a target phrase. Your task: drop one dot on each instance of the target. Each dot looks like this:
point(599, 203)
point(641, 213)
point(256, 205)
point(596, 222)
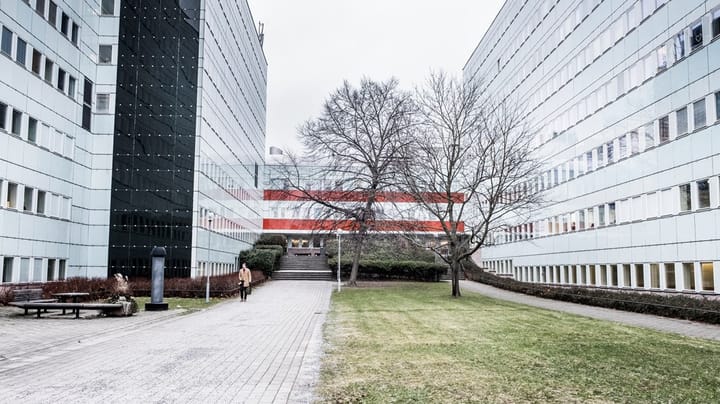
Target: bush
point(220, 286)
point(265, 260)
point(676, 306)
point(393, 270)
point(382, 248)
point(98, 288)
point(272, 239)
point(271, 247)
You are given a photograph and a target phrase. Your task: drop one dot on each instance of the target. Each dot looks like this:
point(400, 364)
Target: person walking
point(245, 277)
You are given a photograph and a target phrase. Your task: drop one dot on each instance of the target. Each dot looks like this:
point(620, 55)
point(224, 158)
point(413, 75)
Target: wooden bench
point(22, 296)
point(76, 307)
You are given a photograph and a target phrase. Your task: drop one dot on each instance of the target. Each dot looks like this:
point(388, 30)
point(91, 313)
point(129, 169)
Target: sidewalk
point(265, 350)
point(671, 325)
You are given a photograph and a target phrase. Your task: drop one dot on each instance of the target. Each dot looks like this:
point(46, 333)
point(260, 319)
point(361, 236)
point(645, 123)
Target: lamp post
point(339, 257)
point(207, 269)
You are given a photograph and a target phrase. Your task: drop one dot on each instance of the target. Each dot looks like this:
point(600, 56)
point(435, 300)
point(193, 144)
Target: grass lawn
point(415, 343)
point(180, 303)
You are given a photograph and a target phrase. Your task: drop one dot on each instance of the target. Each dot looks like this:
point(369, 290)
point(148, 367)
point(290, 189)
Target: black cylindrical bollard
point(158, 281)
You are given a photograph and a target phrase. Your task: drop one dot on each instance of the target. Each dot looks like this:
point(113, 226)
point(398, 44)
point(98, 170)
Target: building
point(627, 96)
point(308, 225)
point(126, 124)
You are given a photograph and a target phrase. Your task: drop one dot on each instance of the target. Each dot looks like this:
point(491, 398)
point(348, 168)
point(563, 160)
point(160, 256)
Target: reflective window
point(6, 46)
point(610, 152)
point(634, 142)
point(48, 70)
point(3, 115)
point(682, 121)
point(703, 194)
point(611, 213)
point(16, 122)
point(717, 105)
point(40, 7)
point(61, 80)
point(622, 144)
point(20, 52)
point(107, 7)
point(36, 61)
point(699, 116)
point(649, 135)
point(105, 54)
point(664, 128)
point(679, 45)
point(65, 24)
point(52, 14)
point(685, 200)
point(716, 23)
point(696, 33)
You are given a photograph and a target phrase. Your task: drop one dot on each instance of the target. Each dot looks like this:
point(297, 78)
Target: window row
point(31, 200)
point(703, 276)
point(34, 131)
point(689, 118)
point(627, 22)
point(658, 60)
point(18, 49)
point(215, 268)
point(50, 12)
point(701, 194)
point(225, 226)
point(28, 269)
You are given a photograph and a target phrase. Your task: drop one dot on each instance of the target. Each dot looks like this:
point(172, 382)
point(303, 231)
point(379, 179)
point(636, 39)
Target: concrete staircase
point(303, 268)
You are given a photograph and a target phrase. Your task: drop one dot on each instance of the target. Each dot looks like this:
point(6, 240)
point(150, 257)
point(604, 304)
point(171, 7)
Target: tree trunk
point(356, 260)
point(455, 270)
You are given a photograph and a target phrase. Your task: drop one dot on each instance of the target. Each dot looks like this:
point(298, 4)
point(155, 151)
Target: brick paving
point(265, 350)
point(671, 325)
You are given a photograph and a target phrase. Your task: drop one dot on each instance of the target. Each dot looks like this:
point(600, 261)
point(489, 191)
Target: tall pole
point(339, 258)
point(207, 265)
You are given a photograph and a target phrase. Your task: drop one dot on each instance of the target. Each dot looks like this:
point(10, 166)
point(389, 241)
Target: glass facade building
point(127, 126)
point(625, 98)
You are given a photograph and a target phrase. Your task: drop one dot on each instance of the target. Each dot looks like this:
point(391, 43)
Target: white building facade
point(626, 96)
point(125, 125)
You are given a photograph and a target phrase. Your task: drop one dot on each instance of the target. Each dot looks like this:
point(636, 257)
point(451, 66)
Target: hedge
point(272, 239)
point(265, 260)
point(695, 308)
point(392, 270)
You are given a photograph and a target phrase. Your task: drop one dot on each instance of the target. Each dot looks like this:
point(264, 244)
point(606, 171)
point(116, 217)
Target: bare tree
point(353, 146)
point(470, 166)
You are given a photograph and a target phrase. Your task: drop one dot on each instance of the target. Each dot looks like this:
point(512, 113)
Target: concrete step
point(303, 275)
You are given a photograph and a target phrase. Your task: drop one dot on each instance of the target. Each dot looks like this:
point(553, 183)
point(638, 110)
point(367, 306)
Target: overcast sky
point(313, 45)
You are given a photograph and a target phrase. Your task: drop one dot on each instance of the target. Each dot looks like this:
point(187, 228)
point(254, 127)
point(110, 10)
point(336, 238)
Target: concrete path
point(265, 350)
point(683, 327)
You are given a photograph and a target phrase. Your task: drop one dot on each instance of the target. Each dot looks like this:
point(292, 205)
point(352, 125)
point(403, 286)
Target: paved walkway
point(265, 350)
point(683, 327)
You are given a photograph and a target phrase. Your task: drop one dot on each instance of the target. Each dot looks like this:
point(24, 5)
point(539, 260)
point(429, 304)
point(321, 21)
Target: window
point(652, 204)
point(716, 23)
point(61, 80)
point(11, 198)
point(664, 128)
point(107, 7)
point(64, 24)
point(21, 51)
point(682, 121)
point(689, 275)
point(61, 270)
point(717, 106)
point(16, 122)
point(649, 136)
point(699, 116)
point(105, 54)
point(706, 273)
point(611, 213)
point(52, 14)
point(6, 46)
point(685, 201)
point(41, 202)
point(7, 269)
point(72, 83)
point(634, 142)
point(589, 161)
point(622, 142)
point(87, 104)
point(48, 70)
point(610, 155)
point(103, 103)
point(37, 270)
point(74, 33)
point(601, 215)
point(28, 199)
point(696, 39)
point(32, 130)
point(40, 7)
point(662, 61)
point(3, 116)
point(703, 194)
point(666, 202)
point(648, 6)
point(679, 45)
point(51, 270)
point(36, 61)
point(600, 155)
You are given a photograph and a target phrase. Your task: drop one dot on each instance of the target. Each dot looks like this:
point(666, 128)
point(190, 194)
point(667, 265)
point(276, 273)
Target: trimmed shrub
point(265, 260)
point(382, 248)
point(272, 239)
point(220, 286)
point(98, 288)
point(393, 270)
point(271, 247)
point(695, 308)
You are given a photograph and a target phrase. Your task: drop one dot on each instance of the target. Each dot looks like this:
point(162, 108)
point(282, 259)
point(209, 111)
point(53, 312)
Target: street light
point(207, 264)
point(339, 256)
